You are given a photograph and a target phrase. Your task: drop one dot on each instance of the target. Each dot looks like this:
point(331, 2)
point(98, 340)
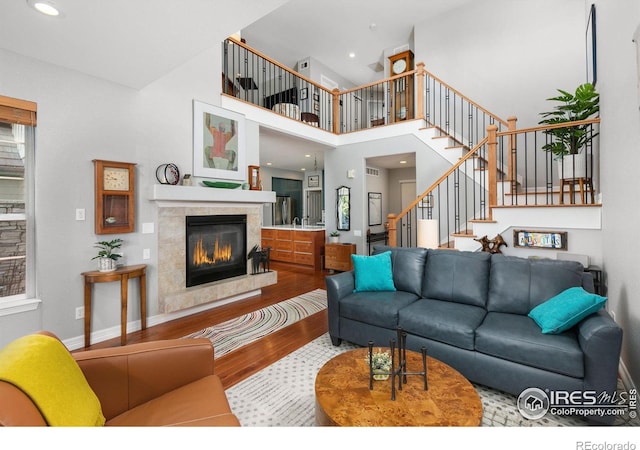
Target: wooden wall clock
point(402, 88)
point(114, 197)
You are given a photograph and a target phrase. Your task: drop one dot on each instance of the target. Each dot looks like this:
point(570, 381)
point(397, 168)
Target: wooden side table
point(123, 275)
point(338, 256)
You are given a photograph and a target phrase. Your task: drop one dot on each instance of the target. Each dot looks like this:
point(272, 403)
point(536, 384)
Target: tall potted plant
point(567, 142)
point(106, 256)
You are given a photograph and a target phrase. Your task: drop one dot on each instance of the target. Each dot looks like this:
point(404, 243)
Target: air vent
point(372, 171)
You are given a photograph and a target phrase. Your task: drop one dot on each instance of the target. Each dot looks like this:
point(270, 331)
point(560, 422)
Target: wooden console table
point(123, 274)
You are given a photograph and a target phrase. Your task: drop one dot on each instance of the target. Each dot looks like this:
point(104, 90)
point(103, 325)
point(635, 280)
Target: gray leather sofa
point(470, 310)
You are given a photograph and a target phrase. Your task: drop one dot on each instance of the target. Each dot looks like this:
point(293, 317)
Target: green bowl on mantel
point(221, 184)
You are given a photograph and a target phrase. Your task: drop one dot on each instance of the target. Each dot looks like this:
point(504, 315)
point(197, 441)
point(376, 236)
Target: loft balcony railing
point(253, 77)
point(250, 76)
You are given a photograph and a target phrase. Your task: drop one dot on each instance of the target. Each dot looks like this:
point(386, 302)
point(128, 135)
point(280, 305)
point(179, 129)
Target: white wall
point(508, 56)
point(81, 118)
point(618, 84)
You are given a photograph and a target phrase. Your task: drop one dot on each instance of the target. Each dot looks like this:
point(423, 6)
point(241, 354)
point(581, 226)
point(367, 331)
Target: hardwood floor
point(244, 362)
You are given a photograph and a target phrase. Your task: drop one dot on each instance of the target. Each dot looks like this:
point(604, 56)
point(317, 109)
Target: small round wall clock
point(168, 174)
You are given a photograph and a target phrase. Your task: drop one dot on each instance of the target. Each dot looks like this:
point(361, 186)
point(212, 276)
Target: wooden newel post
point(420, 91)
point(391, 228)
point(492, 157)
point(336, 110)
point(512, 157)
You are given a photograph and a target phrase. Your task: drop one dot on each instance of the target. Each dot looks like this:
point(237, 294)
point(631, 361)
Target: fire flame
point(221, 253)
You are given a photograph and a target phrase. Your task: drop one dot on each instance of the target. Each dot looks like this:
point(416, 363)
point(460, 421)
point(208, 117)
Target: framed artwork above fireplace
point(218, 143)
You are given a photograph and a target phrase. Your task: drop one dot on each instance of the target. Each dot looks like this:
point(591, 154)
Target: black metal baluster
point(392, 346)
point(370, 365)
point(423, 350)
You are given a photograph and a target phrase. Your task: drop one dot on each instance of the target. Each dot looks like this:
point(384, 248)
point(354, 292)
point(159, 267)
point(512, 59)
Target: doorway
point(314, 207)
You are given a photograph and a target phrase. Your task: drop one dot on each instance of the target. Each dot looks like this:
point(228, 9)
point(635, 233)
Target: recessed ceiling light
point(45, 7)
point(303, 169)
point(352, 55)
point(307, 156)
point(269, 164)
point(403, 162)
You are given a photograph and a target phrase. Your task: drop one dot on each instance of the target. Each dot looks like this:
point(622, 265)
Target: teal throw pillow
point(373, 273)
point(566, 309)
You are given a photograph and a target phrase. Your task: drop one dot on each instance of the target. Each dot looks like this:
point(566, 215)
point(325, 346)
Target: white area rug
point(235, 333)
point(282, 394)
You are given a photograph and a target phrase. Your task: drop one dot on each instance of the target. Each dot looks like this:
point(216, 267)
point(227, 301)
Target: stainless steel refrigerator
point(283, 210)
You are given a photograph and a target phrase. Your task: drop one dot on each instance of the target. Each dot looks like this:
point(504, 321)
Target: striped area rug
point(235, 333)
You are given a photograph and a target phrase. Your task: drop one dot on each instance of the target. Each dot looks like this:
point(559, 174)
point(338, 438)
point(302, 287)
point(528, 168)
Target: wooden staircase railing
point(507, 168)
point(450, 189)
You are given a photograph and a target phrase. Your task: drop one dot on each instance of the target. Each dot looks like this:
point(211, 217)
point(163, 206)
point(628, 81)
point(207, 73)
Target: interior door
point(314, 207)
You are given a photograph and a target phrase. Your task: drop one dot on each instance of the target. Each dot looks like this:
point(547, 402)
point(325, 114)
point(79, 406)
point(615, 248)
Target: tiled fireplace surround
point(177, 202)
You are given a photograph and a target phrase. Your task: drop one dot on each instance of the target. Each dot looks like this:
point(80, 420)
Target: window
point(17, 130)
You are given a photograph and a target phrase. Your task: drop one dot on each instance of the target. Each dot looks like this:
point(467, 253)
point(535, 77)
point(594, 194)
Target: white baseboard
point(77, 342)
point(625, 376)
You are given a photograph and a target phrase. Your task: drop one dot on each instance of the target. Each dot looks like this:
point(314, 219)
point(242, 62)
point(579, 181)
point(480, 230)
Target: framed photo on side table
point(218, 142)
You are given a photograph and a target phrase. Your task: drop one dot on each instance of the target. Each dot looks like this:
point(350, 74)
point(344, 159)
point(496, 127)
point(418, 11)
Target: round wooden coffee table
point(343, 397)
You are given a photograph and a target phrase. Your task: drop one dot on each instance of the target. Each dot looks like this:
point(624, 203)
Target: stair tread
point(468, 233)
point(556, 205)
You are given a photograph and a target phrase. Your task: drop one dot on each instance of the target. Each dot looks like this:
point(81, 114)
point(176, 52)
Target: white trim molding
point(10, 306)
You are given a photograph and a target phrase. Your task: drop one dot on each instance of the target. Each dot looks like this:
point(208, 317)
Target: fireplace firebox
point(216, 248)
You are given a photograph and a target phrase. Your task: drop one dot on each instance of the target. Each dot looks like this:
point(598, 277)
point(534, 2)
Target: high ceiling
point(329, 30)
point(136, 42)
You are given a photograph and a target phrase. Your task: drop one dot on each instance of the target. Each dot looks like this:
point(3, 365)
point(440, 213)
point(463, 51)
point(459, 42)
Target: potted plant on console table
point(334, 237)
point(106, 256)
point(567, 142)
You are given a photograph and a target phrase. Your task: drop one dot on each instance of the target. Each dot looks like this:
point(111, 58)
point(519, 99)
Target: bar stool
point(584, 184)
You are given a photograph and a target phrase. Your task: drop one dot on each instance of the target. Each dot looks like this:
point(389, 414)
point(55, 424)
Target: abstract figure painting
point(218, 142)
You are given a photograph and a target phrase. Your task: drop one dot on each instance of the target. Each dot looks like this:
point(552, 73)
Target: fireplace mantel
point(168, 193)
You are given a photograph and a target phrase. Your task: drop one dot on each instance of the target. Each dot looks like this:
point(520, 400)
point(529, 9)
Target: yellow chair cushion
point(42, 367)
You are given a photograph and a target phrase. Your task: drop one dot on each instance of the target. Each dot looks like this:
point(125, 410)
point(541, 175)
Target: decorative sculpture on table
point(492, 245)
point(260, 257)
point(399, 364)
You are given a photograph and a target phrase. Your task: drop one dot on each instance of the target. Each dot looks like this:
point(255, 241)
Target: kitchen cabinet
point(298, 246)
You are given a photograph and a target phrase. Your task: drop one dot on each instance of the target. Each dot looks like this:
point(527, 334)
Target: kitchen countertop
point(296, 227)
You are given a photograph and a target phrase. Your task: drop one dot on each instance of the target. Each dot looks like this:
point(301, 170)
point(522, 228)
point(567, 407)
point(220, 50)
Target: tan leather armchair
point(161, 383)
